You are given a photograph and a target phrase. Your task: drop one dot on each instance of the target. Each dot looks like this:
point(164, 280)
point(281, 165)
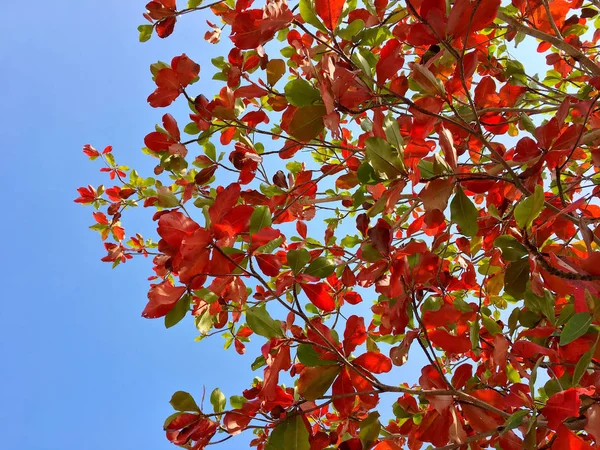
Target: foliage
point(459, 195)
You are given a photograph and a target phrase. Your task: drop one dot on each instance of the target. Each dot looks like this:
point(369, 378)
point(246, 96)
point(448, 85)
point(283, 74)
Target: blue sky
point(81, 368)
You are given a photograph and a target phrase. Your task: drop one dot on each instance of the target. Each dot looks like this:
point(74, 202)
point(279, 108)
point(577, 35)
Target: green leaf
point(491, 325)
point(262, 323)
point(576, 327)
point(369, 429)
point(145, 32)
point(179, 311)
point(512, 249)
point(204, 322)
point(352, 30)
point(258, 363)
point(583, 363)
point(533, 377)
point(464, 213)
point(321, 267)
point(383, 157)
point(527, 123)
point(528, 210)
point(474, 334)
point(307, 11)
point(514, 421)
point(309, 357)
point(297, 259)
point(300, 92)
point(182, 401)
point(166, 199)
point(366, 174)
point(194, 3)
point(261, 218)
point(516, 278)
point(291, 434)
point(392, 132)
point(217, 400)
point(268, 248)
point(191, 128)
point(315, 381)
point(237, 401)
point(307, 122)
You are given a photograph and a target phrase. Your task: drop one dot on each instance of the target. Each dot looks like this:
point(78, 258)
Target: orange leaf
point(162, 298)
point(374, 362)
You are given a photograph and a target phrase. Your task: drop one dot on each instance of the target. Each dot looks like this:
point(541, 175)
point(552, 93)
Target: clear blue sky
point(81, 368)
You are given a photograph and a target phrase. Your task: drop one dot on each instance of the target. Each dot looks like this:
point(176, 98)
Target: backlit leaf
point(576, 327)
point(217, 400)
point(307, 122)
point(321, 267)
point(290, 434)
point(314, 382)
point(530, 208)
point(383, 158)
point(464, 213)
point(262, 323)
point(182, 401)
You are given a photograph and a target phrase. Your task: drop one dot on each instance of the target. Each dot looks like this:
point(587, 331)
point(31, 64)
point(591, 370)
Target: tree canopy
point(377, 183)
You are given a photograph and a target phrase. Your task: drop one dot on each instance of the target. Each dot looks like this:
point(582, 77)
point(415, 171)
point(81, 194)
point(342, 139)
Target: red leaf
point(485, 93)
point(169, 4)
point(173, 227)
point(484, 14)
point(205, 175)
point(343, 386)
point(269, 264)
point(374, 362)
point(158, 142)
point(251, 91)
point(236, 221)
point(224, 202)
point(186, 69)
point(390, 61)
point(100, 218)
point(253, 118)
point(165, 27)
point(461, 375)
point(170, 124)
point(162, 298)
point(237, 420)
point(420, 34)
point(526, 149)
point(90, 151)
point(561, 406)
point(329, 11)
point(381, 236)
point(431, 379)
point(182, 421)
point(479, 419)
point(319, 296)
point(449, 343)
point(355, 333)
point(530, 350)
point(566, 439)
point(162, 97)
